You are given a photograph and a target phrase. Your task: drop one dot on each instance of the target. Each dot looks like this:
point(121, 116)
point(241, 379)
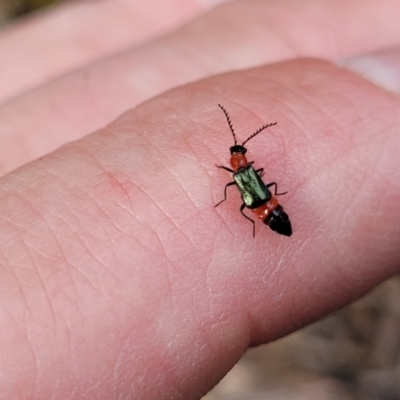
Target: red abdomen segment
point(272, 214)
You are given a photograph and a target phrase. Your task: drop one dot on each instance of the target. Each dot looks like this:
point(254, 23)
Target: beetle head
point(237, 148)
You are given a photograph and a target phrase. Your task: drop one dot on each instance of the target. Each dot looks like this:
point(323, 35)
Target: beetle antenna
point(258, 131)
point(229, 122)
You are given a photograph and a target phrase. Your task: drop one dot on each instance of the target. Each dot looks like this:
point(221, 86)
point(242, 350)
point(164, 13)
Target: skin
point(119, 279)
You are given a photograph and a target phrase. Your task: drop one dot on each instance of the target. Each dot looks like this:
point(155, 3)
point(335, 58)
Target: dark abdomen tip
point(279, 221)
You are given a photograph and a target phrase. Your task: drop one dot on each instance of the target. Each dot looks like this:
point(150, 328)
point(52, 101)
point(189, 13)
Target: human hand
point(119, 278)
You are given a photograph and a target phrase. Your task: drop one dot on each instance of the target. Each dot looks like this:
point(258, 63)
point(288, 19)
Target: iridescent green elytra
point(253, 190)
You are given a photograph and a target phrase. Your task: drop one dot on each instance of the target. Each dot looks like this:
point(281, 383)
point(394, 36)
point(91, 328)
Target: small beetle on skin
point(255, 193)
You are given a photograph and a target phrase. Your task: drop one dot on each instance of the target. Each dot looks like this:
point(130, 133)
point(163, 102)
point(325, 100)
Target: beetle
point(254, 192)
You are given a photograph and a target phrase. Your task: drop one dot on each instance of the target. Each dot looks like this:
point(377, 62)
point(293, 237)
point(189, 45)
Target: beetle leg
point(226, 187)
point(276, 189)
point(260, 172)
point(244, 215)
point(225, 168)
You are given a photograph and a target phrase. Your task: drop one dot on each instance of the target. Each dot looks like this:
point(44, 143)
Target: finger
point(76, 33)
point(381, 67)
point(88, 99)
point(115, 257)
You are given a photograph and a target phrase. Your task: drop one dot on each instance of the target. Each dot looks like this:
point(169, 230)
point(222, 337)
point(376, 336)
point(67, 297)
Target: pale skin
point(119, 279)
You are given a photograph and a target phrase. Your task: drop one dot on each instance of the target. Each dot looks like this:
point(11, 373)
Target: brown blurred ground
point(10, 9)
point(352, 355)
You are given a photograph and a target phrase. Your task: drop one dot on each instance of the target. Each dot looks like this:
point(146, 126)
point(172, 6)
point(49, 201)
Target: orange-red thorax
point(238, 160)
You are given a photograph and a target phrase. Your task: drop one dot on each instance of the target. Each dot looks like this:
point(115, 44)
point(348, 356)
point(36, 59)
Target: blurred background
point(10, 9)
point(353, 354)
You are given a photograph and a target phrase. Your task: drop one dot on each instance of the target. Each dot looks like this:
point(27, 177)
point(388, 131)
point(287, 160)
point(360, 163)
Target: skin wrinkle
point(119, 204)
point(63, 180)
point(192, 154)
point(169, 281)
point(336, 136)
point(186, 189)
point(103, 210)
point(137, 217)
point(171, 349)
point(60, 248)
point(107, 132)
point(85, 246)
point(84, 150)
point(171, 220)
point(15, 323)
point(225, 222)
point(92, 254)
point(35, 210)
point(360, 183)
point(174, 176)
point(116, 375)
point(383, 132)
point(45, 291)
point(68, 333)
point(157, 380)
point(49, 196)
point(169, 369)
point(261, 122)
point(131, 340)
point(70, 263)
point(207, 276)
point(161, 253)
point(384, 129)
point(302, 95)
point(204, 172)
point(276, 85)
point(322, 172)
point(352, 147)
point(24, 330)
point(11, 270)
point(36, 372)
point(21, 211)
point(150, 145)
point(87, 279)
